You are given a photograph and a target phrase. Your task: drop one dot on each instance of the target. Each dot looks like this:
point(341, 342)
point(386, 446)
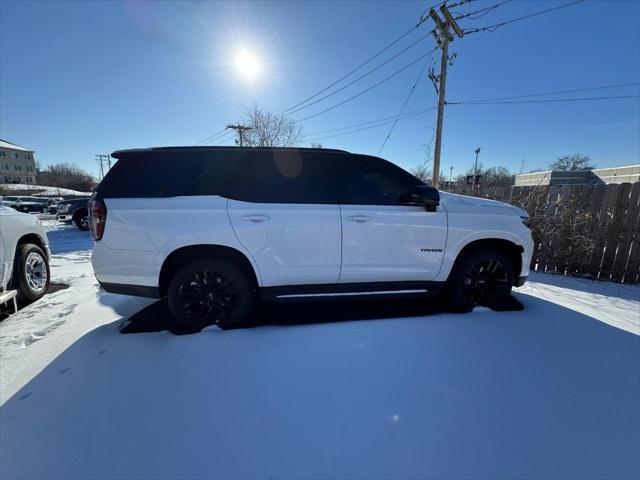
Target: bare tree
point(422, 172)
point(66, 175)
point(316, 145)
point(572, 163)
point(562, 236)
point(269, 129)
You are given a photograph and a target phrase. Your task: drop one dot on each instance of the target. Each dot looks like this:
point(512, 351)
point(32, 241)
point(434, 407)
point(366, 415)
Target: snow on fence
point(581, 230)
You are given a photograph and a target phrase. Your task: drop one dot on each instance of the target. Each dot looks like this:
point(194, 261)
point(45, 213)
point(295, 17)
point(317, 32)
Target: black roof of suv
point(139, 152)
point(194, 171)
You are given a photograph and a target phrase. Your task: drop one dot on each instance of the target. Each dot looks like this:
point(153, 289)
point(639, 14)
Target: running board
point(337, 291)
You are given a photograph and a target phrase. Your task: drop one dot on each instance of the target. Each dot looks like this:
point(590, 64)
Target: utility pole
point(475, 170)
point(99, 160)
point(450, 173)
point(240, 129)
point(444, 37)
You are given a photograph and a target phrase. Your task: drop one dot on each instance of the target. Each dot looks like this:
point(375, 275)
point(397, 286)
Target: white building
point(17, 164)
point(628, 174)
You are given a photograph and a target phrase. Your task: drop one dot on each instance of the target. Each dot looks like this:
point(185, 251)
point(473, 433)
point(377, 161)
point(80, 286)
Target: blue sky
point(81, 78)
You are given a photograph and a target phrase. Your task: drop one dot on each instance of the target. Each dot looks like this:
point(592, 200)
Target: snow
point(41, 190)
point(331, 390)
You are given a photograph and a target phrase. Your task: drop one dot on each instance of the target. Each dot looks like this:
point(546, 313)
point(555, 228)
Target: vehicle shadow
point(157, 317)
point(542, 393)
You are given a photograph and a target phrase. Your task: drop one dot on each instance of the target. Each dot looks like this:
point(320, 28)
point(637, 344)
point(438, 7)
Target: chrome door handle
point(359, 218)
point(256, 218)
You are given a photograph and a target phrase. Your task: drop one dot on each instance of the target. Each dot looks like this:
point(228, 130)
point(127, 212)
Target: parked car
point(214, 228)
point(74, 211)
point(24, 255)
point(8, 201)
point(31, 204)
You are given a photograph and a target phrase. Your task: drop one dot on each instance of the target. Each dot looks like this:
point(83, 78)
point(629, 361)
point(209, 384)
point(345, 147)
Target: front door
point(284, 210)
point(384, 237)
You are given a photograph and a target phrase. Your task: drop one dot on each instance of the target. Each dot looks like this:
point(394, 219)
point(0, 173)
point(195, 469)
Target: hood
point(465, 204)
point(12, 217)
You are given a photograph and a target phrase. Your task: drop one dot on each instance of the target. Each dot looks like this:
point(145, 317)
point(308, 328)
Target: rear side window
point(285, 177)
point(374, 183)
point(166, 176)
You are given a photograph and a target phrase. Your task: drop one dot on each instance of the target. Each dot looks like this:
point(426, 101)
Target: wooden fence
point(591, 231)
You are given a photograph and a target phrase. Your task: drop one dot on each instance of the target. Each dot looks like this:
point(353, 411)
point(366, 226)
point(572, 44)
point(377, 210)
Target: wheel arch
point(180, 256)
point(512, 250)
point(79, 211)
point(31, 238)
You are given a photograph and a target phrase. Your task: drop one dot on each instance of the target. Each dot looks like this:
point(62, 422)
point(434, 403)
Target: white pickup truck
point(24, 255)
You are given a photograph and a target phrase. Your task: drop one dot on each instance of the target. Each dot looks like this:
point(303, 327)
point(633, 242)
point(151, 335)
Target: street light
point(475, 170)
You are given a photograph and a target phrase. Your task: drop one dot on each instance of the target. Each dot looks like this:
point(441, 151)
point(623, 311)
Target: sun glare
point(247, 65)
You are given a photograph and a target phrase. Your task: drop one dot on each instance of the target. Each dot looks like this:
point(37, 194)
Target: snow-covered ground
point(363, 390)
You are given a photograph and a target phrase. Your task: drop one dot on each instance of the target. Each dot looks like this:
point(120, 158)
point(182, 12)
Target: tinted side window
point(371, 183)
point(165, 177)
point(285, 177)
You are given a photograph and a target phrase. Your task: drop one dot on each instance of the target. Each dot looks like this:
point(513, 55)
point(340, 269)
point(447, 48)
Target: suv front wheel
point(210, 292)
point(483, 278)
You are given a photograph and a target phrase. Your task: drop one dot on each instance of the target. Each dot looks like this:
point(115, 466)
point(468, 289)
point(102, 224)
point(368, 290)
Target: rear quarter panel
point(142, 232)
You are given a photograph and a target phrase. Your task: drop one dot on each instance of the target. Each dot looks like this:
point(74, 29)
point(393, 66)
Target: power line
point(557, 92)
point(389, 119)
point(380, 52)
point(211, 137)
point(367, 89)
point(494, 27)
point(385, 121)
point(406, 100)
point(223, 138)
point(290, 112)
point(380, 124)
point(486, 10)
point(552, 100)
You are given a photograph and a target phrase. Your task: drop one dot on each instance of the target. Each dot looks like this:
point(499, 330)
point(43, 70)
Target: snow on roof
point(5, 144)
point(38, 190)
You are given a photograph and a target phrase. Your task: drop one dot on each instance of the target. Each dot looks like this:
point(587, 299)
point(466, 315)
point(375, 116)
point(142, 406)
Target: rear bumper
point(65, 217)
point(132, 290)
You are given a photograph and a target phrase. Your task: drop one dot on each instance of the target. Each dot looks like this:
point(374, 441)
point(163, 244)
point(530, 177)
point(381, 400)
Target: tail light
point(97, 217)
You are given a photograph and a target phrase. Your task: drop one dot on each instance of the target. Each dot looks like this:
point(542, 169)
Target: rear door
point(284, 210)
point(386, 238)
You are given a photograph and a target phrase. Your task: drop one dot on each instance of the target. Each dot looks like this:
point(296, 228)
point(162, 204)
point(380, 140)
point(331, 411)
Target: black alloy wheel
point(209, 297)
point(486, 282)
point(481, 278)
point(210, 292)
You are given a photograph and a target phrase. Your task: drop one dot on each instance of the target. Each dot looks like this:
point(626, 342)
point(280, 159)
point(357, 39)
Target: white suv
point(214, 228)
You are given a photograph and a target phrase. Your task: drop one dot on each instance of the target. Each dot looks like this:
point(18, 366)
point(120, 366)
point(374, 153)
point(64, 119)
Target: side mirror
point(427, 195)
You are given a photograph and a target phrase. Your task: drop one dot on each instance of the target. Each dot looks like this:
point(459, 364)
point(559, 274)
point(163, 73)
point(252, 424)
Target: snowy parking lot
point(332, 390)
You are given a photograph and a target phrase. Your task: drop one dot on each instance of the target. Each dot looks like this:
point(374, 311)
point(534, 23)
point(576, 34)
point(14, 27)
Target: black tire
point(81, 219)
point(481, 277)
point(210, 291)
point(31, 274)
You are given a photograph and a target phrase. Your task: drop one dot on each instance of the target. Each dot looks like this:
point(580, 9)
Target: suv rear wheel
point(482, 277)
point(210, 291)
point(31, 273)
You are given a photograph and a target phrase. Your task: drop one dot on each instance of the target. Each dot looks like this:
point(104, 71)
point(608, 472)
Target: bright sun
point(247, 65)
